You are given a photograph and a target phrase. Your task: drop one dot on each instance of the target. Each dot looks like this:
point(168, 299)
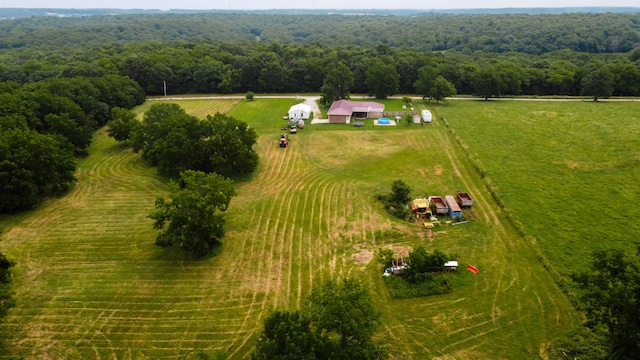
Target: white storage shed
point(300, 111)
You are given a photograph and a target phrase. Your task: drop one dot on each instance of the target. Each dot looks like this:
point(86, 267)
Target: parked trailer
point(464, 199)
point(454, 209)
point(441, 206)
point(426, 116)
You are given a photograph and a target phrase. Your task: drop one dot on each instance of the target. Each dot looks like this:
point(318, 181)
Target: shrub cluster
point(423, 276)
point(395, 203)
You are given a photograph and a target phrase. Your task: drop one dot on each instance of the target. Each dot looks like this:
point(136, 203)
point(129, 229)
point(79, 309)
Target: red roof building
point(342, 111)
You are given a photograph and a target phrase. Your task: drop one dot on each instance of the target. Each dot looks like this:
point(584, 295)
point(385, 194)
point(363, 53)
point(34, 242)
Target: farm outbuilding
point(426, 116)
point(342, 111)
point(300, 111)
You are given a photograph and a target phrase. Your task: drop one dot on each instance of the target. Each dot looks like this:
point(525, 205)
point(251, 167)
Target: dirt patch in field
point(363, 257)
point(549, 114)
point(573, 165)
point(437, 170)
point(400, 250)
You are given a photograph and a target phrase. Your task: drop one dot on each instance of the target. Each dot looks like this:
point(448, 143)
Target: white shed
point(300, 111)
point(426, 116)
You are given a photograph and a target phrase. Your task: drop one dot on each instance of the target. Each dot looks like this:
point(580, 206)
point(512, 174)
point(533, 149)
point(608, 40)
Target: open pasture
point(567, 171)
point(91, 284)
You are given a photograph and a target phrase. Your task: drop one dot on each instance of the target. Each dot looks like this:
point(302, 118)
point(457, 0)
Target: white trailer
point(426, 116)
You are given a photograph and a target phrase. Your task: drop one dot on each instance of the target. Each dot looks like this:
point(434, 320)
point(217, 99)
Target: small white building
point(300, 111)
point(426, 116)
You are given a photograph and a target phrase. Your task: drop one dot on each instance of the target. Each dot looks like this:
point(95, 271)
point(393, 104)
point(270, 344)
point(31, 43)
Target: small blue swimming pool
point(384, 121)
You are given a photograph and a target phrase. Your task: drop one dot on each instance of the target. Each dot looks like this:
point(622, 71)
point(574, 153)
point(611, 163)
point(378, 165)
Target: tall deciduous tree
point(122, 124)
point(344, 311)
point(288, 335)
point(561, 76)
point(193, 219)
point(337, 322)
point(487, 82)
point(176, 141)
point(610, 299)
point(228, 146)
point(441, 89)
point(426, 77)
point(382, 80)
point(597, 83)
point(167, 138)
point(337, 83)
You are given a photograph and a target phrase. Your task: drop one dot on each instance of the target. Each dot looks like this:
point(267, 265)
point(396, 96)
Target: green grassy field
point(568, 171)
point(197, 107)
point(90, 283)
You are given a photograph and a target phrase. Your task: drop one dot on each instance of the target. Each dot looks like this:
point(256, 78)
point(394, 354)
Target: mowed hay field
point(567, 171)
point(91, 284)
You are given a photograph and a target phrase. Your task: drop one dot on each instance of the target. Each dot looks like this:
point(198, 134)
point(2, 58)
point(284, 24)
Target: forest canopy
point(62, 77)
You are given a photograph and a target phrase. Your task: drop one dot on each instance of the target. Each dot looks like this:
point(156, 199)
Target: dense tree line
point(45, 124)
point(204, 67)
point(497, 33)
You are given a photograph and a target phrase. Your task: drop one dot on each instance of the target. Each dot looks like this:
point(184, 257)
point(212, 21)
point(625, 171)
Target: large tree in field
point(611, 299)
point(289, 335)
point(382, 80)
point(193, 219)
point(176, 141)
point(344, 311)
point(228, 146)
point(597, 83)
point(337, 322)
point(169, 138)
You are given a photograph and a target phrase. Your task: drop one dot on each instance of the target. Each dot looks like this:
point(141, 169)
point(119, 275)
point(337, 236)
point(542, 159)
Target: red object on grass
point(473, 269)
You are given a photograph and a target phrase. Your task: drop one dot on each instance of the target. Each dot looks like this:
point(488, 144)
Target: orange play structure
point(472, 268)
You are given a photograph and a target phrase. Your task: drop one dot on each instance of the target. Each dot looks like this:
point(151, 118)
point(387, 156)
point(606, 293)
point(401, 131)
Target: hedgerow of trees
point(175, 141)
